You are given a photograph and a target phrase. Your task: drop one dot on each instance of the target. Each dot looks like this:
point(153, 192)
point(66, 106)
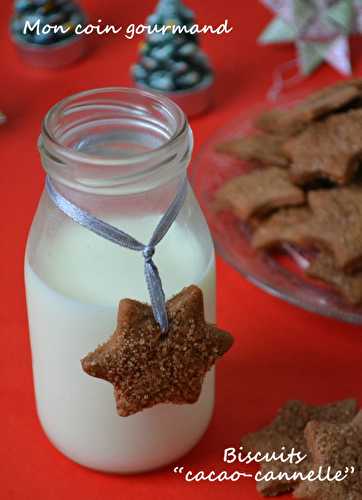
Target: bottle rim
point(57, 150)
point(115, 140)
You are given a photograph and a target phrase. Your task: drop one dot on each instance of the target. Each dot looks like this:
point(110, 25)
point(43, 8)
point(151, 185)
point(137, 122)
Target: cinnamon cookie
point(330, 149)
point(259, 192)
point(324, 268)
point(314, 107)
point(333, 223)
point(262, 148)
point(338, 446)
point(147, 368)
point(287, 430)
point(288, 225)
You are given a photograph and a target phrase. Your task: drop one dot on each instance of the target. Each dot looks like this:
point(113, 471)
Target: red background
point(280, 352)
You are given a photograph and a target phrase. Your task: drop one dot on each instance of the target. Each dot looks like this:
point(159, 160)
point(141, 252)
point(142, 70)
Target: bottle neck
point(116, 146)
point(124, 205)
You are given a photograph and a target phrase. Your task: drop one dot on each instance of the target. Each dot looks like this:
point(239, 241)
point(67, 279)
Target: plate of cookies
point(281, 188)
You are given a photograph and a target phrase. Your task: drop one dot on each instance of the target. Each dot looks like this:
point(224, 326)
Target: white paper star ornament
point(319, 29)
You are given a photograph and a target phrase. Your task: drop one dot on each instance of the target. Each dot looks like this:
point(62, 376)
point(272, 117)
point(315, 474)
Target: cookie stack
point(306, 189)
point(328, 436)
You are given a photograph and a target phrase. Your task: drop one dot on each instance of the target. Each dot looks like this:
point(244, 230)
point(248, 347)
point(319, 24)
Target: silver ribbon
point(111, 233)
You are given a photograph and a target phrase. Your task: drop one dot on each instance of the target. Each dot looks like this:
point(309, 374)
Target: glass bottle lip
point(49, 141)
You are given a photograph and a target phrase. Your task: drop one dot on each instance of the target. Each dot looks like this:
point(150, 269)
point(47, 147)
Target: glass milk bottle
point(120, 155)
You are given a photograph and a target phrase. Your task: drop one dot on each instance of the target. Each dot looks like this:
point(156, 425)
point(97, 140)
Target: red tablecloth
point(280, 352)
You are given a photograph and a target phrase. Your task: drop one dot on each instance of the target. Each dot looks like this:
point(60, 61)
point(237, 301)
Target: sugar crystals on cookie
point(146, 367)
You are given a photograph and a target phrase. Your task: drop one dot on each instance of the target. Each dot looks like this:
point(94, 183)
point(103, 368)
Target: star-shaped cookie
point(146, 367)
point(338, 446)
point(262, 148)
point(333, 223)
point(288, 225)
point(316, 106)
point(287, 430)
point(258, 192)
point(329, 149)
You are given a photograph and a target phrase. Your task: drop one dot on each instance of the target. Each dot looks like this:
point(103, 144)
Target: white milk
point(72, 307)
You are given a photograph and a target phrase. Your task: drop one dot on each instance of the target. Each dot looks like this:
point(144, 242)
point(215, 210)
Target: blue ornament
point(161, 80)
point(179, 67)
point(139, 72)
point(188, 49)
point(22, 5)
point(149, 63)
point(159, 38)
point(162, 53)
point(188, 80)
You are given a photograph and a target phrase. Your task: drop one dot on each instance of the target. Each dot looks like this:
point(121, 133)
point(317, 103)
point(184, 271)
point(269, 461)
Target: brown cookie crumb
point(258, 193)
point(262, 148)
point(338, 445)
point(324, 268)
point(330, 149)
point(287, 430)
point(314, 107)
point(147, 368)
